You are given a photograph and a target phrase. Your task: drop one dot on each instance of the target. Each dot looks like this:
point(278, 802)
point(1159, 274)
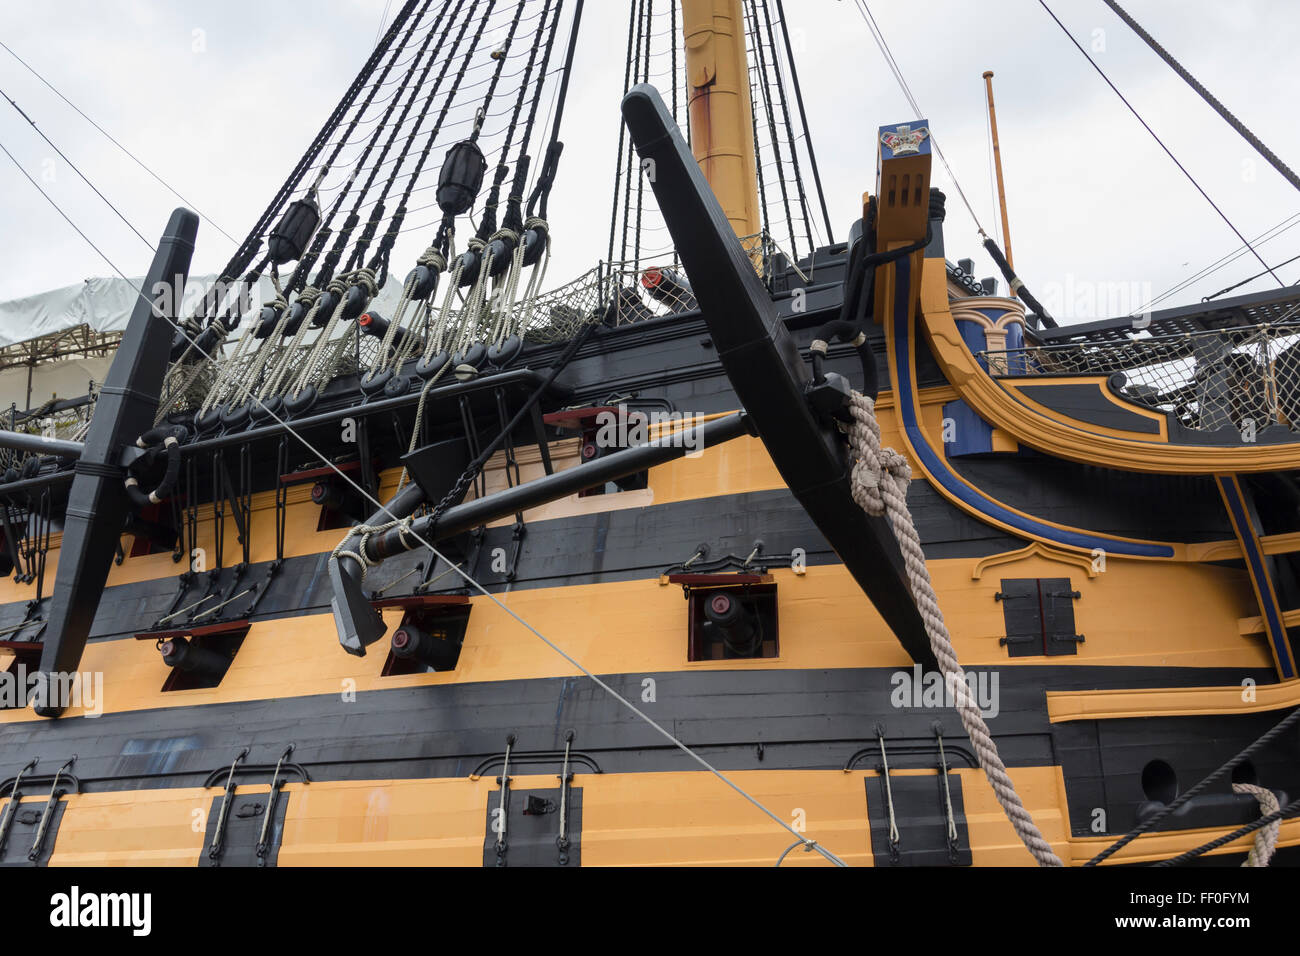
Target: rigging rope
point(537, 201)
point(1284, 813)
point(93, 187)
point(622, 138)
point(1287, 173)
point(643, 41)
point(788, 124)
point(488, 224)
point(1152, 821)
point(395, 226)
point(377, 211)
point(379, 262)
point(1268, 235)
point(880, 480)
point(308, 261)
point(803, 118)
point(139, 162)
point(249, 248)
point(270, 346)
point(1159, 141)
point(760, 66)
point(775, 123)
point(324, 356)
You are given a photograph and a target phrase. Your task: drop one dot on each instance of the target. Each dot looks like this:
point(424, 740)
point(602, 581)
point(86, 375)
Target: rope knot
point(871, 462)
point(433, 259)
point(367, 278)
point(895, 465)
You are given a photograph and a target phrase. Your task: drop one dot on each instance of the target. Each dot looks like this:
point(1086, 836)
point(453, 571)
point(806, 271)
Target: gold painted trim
point(1280, 543)
point(1207, 551)
point(1000, 407)
point(1255, 625)
point(1035, 549)
point(886, 287)
point(1063, 706)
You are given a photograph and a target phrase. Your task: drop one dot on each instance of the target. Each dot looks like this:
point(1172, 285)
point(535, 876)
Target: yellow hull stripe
point(630, 819)
point(1174, 616)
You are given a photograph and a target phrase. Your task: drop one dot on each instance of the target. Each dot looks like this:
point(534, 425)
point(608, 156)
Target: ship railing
point(68, 423)
point(612, 294)
point(630, 291)
point(1246, 378)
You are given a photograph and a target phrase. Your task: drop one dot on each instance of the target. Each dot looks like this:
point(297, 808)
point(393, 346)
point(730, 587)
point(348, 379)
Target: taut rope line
point(879, 482)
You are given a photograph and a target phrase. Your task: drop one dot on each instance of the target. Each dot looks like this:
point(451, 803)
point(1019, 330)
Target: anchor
point(764, 367)
point(99, 496)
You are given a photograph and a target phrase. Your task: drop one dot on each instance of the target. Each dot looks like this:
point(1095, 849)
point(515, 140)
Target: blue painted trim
point(972, 434)
point(1258, 570)
point(939, 469)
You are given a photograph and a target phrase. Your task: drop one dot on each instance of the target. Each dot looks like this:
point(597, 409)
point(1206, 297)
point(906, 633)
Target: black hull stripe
point(624, 545)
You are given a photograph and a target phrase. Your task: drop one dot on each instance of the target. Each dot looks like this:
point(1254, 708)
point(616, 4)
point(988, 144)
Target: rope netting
point(624, 293)
point(68, 424)
point(1242, 378)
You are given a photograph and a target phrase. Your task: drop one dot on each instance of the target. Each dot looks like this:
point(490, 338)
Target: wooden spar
point(997, 164)
point(721, 111)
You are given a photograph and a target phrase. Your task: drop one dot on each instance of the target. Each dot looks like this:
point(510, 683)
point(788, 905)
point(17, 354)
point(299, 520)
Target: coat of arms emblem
point(904, 139)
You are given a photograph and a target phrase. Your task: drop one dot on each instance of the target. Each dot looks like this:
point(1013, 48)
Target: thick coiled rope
point(359, 555)
point(879, 482)
point(1266, 839)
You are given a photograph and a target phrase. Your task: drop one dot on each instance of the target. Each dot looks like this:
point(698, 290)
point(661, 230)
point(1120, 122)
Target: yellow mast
point(721, 113)
point(997, 163)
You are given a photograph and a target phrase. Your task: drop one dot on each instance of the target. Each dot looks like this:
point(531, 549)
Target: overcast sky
point(220, 99)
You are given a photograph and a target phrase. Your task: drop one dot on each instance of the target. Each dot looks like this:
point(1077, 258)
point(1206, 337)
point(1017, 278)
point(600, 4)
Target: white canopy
point(106, 304)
